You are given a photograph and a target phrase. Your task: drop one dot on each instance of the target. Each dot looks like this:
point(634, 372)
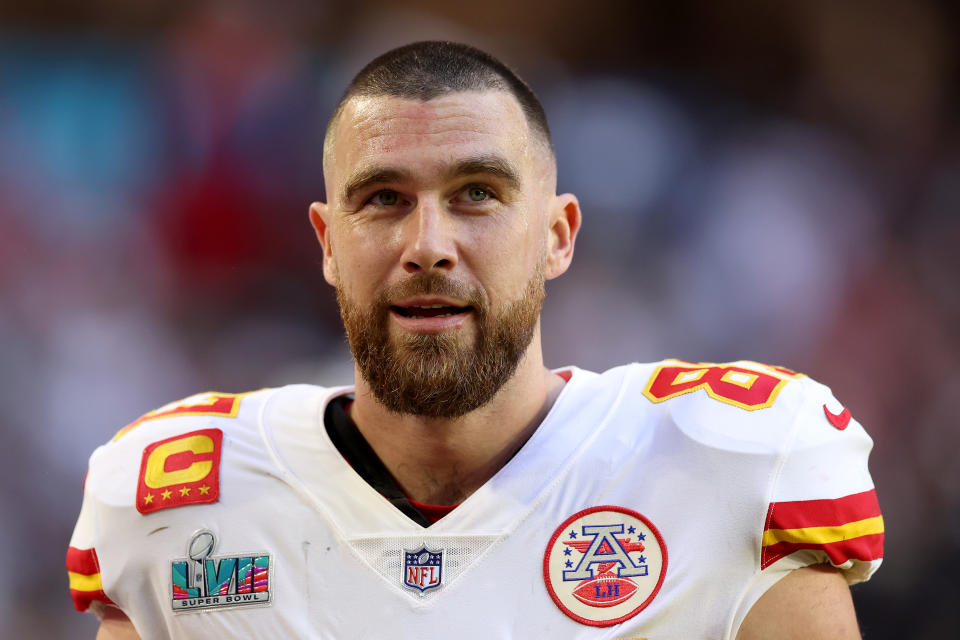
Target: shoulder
point(820, 500)
point(200, 418)
point(739, 405)
point(209, 407)
point(174, 456)
point(186, 434)
point(744, 405)
point(233, 412)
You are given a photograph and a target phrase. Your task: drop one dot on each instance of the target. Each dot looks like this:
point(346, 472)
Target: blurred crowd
point(777, 182)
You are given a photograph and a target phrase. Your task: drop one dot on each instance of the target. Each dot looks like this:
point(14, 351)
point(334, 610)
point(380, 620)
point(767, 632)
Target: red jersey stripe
point(822, 513)
point(864, 548)
point(83, 569)
point(82, 561)
point(82, 599)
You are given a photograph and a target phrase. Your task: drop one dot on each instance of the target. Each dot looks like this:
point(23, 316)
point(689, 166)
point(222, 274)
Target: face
point(440, 229)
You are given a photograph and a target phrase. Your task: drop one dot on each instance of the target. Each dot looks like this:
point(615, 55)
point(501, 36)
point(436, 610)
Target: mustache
point(432, 283)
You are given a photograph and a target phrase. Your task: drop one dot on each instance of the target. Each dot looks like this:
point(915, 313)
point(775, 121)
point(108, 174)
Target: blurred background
point(775, 181)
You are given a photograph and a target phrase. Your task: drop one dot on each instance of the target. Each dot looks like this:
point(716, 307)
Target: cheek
point(506, 258)
point(363, 261)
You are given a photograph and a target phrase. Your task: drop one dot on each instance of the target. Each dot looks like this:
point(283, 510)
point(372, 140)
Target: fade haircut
point(426, 70)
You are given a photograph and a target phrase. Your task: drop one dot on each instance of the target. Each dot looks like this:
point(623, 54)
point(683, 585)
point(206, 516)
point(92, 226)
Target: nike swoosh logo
point(839, 420)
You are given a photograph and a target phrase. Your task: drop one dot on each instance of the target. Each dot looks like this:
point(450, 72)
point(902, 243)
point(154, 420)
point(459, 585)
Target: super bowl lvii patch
point(203, 580)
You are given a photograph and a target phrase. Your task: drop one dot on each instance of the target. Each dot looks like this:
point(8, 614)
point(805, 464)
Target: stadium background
point(778, 181)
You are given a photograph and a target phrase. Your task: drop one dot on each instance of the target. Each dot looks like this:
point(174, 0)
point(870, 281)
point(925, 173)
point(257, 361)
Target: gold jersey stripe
point(83, 582)
point(824, 535)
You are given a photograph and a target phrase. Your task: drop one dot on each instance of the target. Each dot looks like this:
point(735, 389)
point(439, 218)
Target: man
point(461, 489)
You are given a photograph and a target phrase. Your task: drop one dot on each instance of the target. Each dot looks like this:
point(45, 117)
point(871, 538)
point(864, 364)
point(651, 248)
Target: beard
point(440, 375)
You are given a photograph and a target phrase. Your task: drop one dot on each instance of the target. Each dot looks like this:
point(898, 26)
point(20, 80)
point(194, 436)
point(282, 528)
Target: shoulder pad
point(122, 470)
point(209, 403)
point(739, 406)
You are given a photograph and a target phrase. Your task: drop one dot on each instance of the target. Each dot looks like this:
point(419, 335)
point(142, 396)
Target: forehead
point(388, 129)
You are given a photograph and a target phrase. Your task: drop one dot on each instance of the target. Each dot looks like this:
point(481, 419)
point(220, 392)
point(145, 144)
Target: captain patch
point(181, 470)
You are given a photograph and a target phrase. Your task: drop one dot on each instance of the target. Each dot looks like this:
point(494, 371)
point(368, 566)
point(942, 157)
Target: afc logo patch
point(184, 469)
point(604, 565)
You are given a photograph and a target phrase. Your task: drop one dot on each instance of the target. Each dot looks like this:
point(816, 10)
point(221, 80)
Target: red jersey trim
point(865, 548)
point(83, 571)
point(819, 513)
point(848, 528)
point(432, 512)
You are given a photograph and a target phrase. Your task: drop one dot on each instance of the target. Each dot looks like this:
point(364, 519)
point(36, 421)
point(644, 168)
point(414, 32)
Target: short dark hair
point(426, 70)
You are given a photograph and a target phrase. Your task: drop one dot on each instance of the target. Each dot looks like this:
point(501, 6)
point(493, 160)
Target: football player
point(459, 488)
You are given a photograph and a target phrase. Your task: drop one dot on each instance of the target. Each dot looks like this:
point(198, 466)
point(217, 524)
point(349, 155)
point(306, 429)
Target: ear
point(319, 221)
point(564, 226)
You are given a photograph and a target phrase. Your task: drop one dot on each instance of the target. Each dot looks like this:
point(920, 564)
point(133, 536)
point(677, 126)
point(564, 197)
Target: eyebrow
point(490, 164)
point(371, 175)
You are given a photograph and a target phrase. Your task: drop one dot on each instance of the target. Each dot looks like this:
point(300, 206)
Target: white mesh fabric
point(385, 556)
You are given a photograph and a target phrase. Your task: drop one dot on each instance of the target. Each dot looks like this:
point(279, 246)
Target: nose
point(429, 241)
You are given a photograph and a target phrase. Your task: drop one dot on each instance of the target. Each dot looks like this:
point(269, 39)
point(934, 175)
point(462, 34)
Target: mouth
point(429, 311)
point(430, 317)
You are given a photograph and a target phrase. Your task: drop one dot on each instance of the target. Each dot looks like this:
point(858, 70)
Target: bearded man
point(460, 488)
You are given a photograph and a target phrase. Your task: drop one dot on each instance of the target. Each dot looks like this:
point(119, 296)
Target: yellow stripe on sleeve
point(824, 535)
point(82, 582)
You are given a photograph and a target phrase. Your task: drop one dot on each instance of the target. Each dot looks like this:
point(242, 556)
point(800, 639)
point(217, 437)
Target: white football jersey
point(654, 501)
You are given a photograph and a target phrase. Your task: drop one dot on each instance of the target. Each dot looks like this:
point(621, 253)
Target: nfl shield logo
point(422, 569)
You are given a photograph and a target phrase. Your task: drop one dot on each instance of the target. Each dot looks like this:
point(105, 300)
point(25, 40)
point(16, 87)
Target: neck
point(443, 461)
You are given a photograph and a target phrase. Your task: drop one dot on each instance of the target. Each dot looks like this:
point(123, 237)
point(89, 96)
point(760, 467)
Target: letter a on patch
point(181, 470)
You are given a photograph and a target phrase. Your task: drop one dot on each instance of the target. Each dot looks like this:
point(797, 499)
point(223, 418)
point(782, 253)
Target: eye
point(386, 198)
point(477, 194)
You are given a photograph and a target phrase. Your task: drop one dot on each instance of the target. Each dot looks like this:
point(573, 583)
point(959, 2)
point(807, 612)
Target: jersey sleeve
point(83, 566)
point(112, 480)
point(121, 488)
point(823, 506)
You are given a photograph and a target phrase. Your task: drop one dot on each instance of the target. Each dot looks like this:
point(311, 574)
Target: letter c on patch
point(157, 477)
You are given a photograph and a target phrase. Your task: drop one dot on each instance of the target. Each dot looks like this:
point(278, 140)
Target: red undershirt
point(432, 512)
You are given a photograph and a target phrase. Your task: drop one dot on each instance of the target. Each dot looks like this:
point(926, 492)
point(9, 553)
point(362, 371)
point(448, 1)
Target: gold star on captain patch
point(166, 494)
point(185, 491)
point(148, 499)
point(204, 490)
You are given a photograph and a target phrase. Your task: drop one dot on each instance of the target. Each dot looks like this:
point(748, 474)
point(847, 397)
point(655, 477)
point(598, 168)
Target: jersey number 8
point(749, 387)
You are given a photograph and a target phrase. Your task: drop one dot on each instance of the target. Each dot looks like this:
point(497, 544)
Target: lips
point(430, 315)
point(428, 310)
